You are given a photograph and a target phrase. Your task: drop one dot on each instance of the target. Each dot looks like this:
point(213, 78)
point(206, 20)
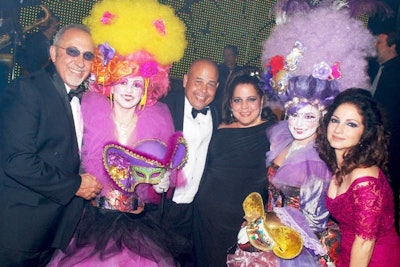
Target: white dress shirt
point(376, 80)
point(197, 133)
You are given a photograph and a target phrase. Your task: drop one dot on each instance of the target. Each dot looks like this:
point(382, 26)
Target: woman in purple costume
point(116, 230)
point(353, 142)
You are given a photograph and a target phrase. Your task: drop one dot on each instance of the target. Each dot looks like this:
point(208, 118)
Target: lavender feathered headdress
point(285, 9)
point(318, 40)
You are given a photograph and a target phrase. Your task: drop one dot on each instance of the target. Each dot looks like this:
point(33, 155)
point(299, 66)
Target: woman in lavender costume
point(297, 178)
point(310, 38)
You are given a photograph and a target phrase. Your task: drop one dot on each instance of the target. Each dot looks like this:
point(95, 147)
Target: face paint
point(128, 92)
point(303, 123)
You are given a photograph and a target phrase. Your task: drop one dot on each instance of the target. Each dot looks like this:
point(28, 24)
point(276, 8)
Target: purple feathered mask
point(146, 163)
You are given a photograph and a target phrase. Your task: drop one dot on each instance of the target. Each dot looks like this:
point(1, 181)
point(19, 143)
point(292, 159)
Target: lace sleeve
point(368, 201)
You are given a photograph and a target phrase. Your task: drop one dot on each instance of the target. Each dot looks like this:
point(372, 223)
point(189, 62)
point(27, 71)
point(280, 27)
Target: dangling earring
point(233, 117)
point(286, 115)
point(111, 100)
point(143, 101)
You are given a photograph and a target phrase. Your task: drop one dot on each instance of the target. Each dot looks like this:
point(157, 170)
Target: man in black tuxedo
point(41, 191)
point(193, 113)
point(386, 91)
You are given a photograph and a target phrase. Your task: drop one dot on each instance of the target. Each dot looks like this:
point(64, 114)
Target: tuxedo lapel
point(59, 86)
point(214, 114)
point(180, 111)
point(175, 100)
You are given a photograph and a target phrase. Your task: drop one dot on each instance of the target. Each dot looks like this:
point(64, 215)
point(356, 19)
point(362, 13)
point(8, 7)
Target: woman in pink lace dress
point(353, 142)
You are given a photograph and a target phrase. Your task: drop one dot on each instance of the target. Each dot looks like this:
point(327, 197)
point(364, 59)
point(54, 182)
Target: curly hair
point(373, 145)
point(245, 77)
point(145, 44)
point(133, 25)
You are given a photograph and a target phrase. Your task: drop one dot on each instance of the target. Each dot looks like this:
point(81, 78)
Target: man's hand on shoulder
point(90, 187)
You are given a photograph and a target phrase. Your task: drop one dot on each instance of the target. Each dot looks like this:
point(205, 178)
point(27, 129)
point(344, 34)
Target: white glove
point(163, 185)
point(243, 238)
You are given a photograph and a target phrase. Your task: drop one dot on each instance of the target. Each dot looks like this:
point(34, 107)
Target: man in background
point(386, 91)
point(226, 69)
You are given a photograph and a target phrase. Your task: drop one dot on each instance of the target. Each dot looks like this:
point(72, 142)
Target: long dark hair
point(373, 146)
point(244, 77)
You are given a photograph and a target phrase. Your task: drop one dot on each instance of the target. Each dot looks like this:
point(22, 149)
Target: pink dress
point(367, 211)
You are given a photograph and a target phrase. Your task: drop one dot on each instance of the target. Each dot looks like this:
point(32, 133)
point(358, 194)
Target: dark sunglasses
point(74, 52)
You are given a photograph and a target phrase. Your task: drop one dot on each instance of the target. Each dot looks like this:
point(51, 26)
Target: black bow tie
point(76, 92)
point(196, 111)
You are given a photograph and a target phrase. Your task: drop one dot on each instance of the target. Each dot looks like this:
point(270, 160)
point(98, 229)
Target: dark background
point(211, 24)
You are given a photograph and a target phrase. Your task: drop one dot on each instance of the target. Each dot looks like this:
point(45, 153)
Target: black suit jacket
point(175, 101)
point(387, 94)
point(39, 164)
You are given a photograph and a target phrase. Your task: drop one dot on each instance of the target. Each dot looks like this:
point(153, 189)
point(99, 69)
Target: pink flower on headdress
point(159, 24)
point(336, 74)
point(107, 18)
point(321, 71)
point(148, 69)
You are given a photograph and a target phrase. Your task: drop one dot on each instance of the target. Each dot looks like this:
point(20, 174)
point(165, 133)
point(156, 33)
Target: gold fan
point(266, 232)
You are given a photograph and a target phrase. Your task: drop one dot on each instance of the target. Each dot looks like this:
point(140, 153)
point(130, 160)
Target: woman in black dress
point(235, 167)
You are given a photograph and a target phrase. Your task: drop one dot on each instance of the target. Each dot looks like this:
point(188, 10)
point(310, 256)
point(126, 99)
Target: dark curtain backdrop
point(210, 25)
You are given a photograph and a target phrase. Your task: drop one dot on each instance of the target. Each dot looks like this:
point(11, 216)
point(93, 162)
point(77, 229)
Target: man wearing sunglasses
point(41, 191)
